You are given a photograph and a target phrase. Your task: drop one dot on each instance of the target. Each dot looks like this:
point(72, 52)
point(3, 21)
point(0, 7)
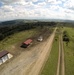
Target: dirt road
point(61, 64)
point(58, 66)
point(30, 61)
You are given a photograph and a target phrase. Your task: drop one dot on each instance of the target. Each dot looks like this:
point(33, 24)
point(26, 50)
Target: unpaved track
point(29, 62)
point(46, 51)
point(58, 66)
point(61, 63)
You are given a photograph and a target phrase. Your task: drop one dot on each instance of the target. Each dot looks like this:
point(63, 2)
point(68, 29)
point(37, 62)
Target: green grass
point(19, 37)
point(69, 52)
point(15, 38)
point(51, 64)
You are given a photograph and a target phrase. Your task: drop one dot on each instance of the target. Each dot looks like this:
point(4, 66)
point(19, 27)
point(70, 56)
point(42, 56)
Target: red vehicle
point(26, 43)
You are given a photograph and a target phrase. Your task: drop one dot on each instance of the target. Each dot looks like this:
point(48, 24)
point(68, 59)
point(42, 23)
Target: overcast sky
point(39, 9)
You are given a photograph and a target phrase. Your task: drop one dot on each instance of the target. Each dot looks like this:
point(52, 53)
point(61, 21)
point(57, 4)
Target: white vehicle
point(40, 38)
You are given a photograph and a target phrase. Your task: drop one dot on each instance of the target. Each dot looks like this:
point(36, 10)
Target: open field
point(22, 36)
point(13, 42)
point(69, 52)
point(28, 58)
point(51, 56)
point(15, 38)
point(38, 59)
point(50, 67)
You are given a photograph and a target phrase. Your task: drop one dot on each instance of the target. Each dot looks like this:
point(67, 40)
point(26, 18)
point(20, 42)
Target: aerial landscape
point(36, 37)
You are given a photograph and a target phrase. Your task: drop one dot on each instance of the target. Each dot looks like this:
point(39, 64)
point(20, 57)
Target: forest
point(9, 28)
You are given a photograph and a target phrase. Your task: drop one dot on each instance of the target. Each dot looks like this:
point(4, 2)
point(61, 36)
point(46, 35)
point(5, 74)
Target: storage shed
point(27, 43)
point(4, 56)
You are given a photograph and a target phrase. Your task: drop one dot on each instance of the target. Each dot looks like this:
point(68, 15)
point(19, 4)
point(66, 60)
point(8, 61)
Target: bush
point(66, 37)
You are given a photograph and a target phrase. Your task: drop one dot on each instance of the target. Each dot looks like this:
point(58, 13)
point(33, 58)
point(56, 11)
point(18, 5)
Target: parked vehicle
point(40, 38)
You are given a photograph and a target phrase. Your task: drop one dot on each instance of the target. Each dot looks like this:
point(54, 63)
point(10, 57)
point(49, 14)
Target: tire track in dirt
point(61, 62)
point(58, 66)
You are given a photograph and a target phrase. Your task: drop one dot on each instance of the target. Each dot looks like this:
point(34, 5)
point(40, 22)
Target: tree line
point(7, 30)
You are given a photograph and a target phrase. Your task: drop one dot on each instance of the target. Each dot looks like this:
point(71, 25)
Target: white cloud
point(34, 0)
point(42, 4)
point(60, 9)
point(54, 1)
point(69, 4)
point(7, 8)
point(9, 1)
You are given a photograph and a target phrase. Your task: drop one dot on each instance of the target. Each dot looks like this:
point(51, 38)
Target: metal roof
point(3, 53)
point(28, 41)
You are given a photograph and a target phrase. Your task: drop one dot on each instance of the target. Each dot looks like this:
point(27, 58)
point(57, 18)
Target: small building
point(4, 56)
point(26, 43)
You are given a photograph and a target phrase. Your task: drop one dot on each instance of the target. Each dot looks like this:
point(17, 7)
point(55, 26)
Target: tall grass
point(69, 52)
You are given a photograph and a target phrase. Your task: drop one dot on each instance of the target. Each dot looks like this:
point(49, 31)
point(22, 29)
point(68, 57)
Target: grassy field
point(69, 52)
point(17, 37)
point(51, 64)
point(20, 36)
